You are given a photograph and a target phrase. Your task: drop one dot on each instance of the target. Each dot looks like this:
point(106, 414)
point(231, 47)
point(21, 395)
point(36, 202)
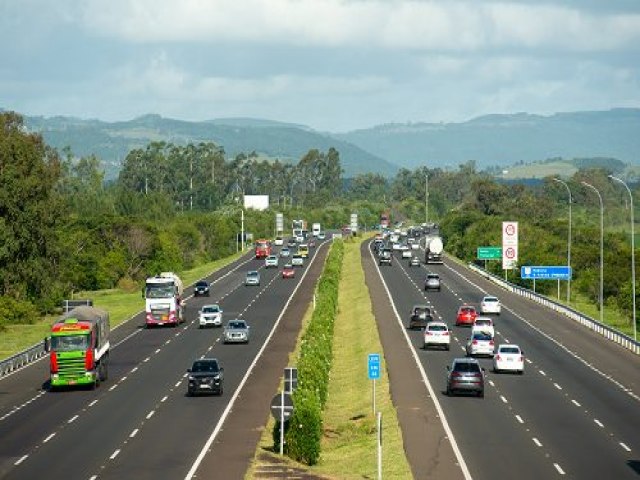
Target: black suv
point(201, 288)
point(385, 257)
point(465, 375)
point(205, 376)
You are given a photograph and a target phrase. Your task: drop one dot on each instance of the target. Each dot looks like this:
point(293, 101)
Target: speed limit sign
point(509, 245)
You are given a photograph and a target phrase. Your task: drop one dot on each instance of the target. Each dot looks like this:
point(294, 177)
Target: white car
point(285, 252)
point(490, 304)
point(415, 246)
point(210, 316)
point(271, 261)
point(508, 358)
point(480, 343)
point(406, 254)
point(395, 246)
point(437, 334)
point(321, 235)
point(483, 324)
point(278, 241)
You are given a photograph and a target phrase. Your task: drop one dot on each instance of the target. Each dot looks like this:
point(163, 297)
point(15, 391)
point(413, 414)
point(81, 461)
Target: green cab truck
point(79, 348)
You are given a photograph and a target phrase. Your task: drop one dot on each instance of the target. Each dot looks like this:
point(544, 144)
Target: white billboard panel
point(257, 202)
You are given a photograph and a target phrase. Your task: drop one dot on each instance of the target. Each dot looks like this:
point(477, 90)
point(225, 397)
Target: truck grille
point(71, 366)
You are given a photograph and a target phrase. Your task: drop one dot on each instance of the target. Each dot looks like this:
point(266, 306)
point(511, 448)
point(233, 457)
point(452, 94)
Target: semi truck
point(79, 348)
point(262, 248)
point(163, 300)
point(298, 227)
point(433, 249)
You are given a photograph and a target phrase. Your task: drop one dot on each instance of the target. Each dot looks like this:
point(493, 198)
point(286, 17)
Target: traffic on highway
point(524, 392)
point(170, 384)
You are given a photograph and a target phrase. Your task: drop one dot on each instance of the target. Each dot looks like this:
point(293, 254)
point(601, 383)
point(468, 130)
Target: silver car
point(236, 331)
point(252, 278)
point(432, 282)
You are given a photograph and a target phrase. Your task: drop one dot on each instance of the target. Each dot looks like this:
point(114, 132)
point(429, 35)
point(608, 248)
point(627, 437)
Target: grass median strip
point(349, 431)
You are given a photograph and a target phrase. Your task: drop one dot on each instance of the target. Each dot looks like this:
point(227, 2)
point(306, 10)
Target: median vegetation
point(343, 432)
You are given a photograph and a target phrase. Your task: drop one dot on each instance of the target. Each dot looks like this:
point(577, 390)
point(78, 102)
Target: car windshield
point(202, 283)
point(467, 310)
point(485, 322)
point(163, 290)
point(509, 350)
point(205, 367)
point(252, 274)
point(69, 343)
point(433, 277)
point(490, 299)
point(211, 309)
point(235, 325)
point(466, 367)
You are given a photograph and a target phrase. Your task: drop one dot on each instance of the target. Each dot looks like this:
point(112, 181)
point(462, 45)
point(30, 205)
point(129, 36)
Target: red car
point(288, 271)
point(466, 315)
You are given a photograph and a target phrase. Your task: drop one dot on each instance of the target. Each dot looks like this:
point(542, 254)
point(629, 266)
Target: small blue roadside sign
point(546, 273)
point(374, 366)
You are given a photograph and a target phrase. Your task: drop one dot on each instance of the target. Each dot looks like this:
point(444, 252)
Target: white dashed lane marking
point(22, 459)
point(134, 433)
point(625, 447)
point(519, 418)
point(537, 442)
point(559, 469)
point(73, 419)
point(598, 422)
point(576, 403)
point(114, 454)
point(93, 403)
point(49, 438)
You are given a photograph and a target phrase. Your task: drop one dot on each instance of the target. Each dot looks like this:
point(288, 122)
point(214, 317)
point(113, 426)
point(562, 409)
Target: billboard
point(257, 202)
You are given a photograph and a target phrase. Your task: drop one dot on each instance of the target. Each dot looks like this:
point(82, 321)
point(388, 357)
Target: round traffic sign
point(510, 253)
point(277, 406)
point(510, 229)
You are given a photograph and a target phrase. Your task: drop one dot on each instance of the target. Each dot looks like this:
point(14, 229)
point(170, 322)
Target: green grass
point(539, 170)
point(349, 443)
point(121, 306)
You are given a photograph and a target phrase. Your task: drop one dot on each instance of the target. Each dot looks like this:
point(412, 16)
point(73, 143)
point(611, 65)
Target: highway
point(574, 413)
point(140, 423)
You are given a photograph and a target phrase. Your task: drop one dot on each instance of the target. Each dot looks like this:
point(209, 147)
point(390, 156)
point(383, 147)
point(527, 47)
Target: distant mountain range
point(502, 140)
point(491, 140)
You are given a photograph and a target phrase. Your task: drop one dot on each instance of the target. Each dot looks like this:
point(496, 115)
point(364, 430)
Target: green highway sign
point(489, 253)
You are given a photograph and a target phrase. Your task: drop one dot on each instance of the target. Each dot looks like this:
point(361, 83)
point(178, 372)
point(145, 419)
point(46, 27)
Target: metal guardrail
point(600, 328)
point(23, 358)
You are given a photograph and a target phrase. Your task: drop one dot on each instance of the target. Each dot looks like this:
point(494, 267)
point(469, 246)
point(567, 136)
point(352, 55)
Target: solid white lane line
point(114, 454)
point(73, 419)
point(559, 469)
point(49, 438)
point(93, 403)
point(598, 422)
point(519, 418)
point(134, 433)
point(22, 459)
point(150, 414)
point(576, 403)
point(625, 447)
point(537, 442)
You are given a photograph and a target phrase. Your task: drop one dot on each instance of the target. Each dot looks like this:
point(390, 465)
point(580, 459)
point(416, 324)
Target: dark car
point(385, 257)
point(419, 317)
point(201, 288)
point(465, 375)
point(205, 376)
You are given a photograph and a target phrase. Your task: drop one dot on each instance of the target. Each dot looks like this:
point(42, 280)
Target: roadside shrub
point(304, 432)
point(13, 312)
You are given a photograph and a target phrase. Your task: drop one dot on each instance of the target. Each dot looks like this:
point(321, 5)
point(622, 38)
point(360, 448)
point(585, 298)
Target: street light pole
point(601, 249)
point(568, 239)
point(426, 197)
point(633, 261)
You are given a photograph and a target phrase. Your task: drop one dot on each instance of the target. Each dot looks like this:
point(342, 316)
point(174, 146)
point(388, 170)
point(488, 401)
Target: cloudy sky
point(334, 65)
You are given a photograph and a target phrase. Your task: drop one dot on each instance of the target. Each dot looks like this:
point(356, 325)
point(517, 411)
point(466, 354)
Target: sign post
point(509, 246)
point(379, 424)
point(374, 373)
point(281, 409)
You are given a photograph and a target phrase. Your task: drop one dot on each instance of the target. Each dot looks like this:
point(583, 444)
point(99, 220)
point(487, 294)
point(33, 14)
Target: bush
point(304, 432)
point(13, 312)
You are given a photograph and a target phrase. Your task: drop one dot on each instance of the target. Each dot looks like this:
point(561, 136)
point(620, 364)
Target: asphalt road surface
point(140, 423)
point(574, 413)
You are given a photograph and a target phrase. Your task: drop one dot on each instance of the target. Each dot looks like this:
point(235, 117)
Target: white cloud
point(420, 25)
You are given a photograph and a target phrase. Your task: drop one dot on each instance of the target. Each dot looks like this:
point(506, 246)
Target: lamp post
point(633, 261)
point(568, 238)
point(601, 249)
point(426, 198)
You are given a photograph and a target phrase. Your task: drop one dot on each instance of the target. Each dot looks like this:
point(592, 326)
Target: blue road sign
point(546, 273)
point(374, 366)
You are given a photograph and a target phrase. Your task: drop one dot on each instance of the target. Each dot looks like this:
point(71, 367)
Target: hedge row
point(304, 428)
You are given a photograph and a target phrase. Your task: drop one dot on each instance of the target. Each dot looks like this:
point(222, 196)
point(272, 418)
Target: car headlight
point(191, 379)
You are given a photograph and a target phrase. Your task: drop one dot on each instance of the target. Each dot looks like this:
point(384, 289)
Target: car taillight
point(446, 333)
point(456, 374)
point(54, 362)
point(475, 342)
point(498, 357)
point(88, 360)
point(522, 358)
point(491, 342)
